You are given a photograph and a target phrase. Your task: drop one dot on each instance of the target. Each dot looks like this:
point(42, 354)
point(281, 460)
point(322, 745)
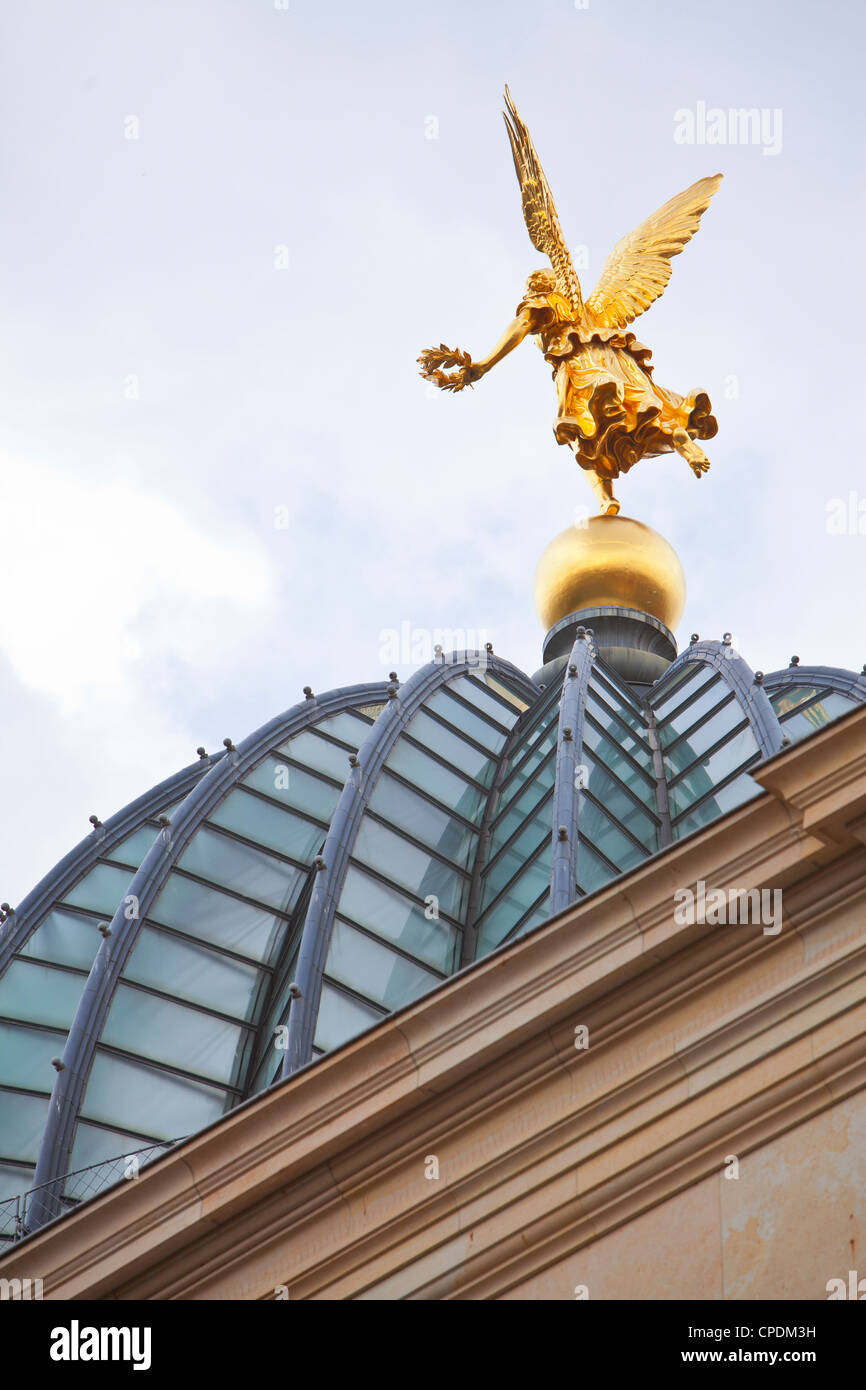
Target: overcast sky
point(229, 228)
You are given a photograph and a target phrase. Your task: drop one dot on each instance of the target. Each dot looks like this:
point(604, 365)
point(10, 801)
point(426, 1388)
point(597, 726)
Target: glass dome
point(273, 900)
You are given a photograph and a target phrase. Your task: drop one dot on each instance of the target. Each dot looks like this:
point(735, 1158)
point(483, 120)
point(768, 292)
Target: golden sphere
point(610, 561)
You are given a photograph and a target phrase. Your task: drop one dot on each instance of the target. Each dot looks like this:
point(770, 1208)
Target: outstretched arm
point(434, 359)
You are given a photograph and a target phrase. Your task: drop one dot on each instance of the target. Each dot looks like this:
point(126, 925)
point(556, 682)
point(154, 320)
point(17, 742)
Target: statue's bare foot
point(688, 449)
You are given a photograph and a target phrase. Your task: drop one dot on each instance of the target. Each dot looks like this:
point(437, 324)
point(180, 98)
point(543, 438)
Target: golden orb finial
point(610, 561)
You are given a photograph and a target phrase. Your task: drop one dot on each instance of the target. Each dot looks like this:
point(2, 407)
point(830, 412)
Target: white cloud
point(101, 565)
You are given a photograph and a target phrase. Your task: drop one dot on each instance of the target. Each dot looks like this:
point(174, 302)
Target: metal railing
point(56, 1199)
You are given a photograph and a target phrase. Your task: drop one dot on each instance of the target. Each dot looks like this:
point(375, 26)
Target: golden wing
point(639, 266)
point(539, 209)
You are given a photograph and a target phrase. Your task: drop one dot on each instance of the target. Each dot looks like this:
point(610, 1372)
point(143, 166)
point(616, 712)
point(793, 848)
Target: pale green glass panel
point(688, 681)
point(205, 912)
point(193, 973)
point(315, 752)
point(408, 866)
point(22, 1120)
point(64, 938)
point(294, 788)
point(25, 1058)
point(39, 994)
point(163, 1031)
point(390, 915)
point(222, 860)
point(133, 849)
point(446, 786)
point(420, 818)
point(633, 743)
point(482, 700)
point(375, 971)
point(269, 825)
point(608, 756)
point(713, 770)
point(742, 789)
point(817, 716)
point(147, 1101)
point(341, 1018)
point(618, 804)
point(515, 902)
point(101, 890)
point(712, 694)
point(466, 721)
point(452, 748)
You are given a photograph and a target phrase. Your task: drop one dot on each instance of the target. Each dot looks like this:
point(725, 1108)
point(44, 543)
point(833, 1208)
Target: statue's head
point(541, 282)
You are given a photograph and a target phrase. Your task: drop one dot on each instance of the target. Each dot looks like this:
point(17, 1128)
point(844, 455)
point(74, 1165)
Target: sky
point(228, 230)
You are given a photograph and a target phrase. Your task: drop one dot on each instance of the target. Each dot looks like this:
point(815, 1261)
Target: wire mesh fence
point(29, 1211)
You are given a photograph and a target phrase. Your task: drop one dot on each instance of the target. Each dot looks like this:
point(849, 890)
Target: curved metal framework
point(403, 704)
point(533, 807)
point(56, 1145)
point(569, 773)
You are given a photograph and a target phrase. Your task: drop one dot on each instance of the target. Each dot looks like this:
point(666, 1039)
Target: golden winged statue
point(611, 412)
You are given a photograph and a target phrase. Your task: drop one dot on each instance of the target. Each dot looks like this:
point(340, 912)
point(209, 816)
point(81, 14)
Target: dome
point(276, 898)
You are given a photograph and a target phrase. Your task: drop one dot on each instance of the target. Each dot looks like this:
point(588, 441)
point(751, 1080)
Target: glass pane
point(790, 696)
point(25, 1058)
point(402, 807)
point(374, 970)
point(736, 793)
point(603, 684)
point(133, 849)
point(66, 939)
point(13, 1183)
point(147, 1026)
point(409, 866)
point(39, 994)
point(219, 859)
point(269, 825)
point(688, 680)
point(22, 1120)
point(514, 903)
point(466, 721)
point(205, 912)
point(633, 743)
point(541, 914)
point(592, 872)
point(452, 748)
point(93, 1144)
point(293, 787)
point(101, 890)
point(191, 972)
point(597, 827)
point(483, 700)
point(716, 727)
point(390, 915)
point(712, 694)
point(534, 802)
point(311, 750)
point(713, 770)
point(606, 790)
point(511, 860)
point(447, 786)
point(816, 716)
point(348, 725)
point(518, 701)
point(606, 754)
point(519, 770)
point(147, 1101)
point(341, 1018)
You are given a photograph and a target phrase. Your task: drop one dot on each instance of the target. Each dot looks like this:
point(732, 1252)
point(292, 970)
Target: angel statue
point(611, 412)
